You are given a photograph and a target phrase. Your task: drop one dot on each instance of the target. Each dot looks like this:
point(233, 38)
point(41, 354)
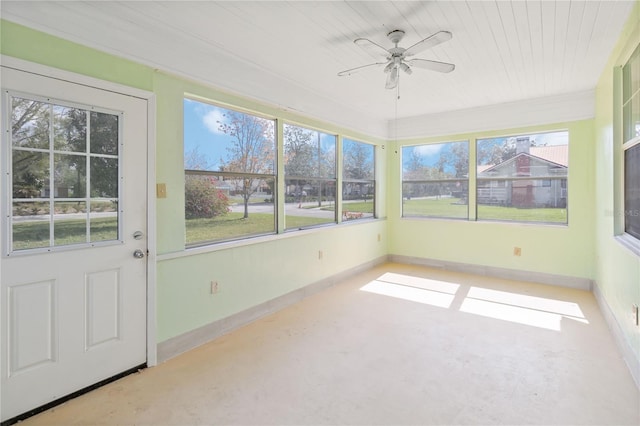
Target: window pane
point(310, 177)
point(69, 129)
point(31, 223)
point(501, 161)
point(30, 123)
point(30, 174)
point(236, 199)
point(309, 202)
point(632, 191)
point(104, 177)
point(435, 199)
point(70, 177)
point(358, 187)
point(104, 133)
point(631, 76)
point(435, 180)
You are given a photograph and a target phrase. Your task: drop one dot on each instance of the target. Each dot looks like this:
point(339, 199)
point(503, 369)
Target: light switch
point(161, 190)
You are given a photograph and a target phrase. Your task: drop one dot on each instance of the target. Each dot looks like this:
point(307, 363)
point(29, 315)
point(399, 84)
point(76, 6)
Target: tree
point(30, 126)
point(252, 151)
point(298, 151)
point(358, 160)
point(455, 156)
point(195, 160)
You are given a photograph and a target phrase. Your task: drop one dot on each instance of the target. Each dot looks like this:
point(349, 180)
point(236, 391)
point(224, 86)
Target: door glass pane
point(30, 225)
point(69, 223)
point(104, 133)
point(30, 123)
point(69, 129)
point(70, 177)
point(51, 148)
point(30, 174)
point(103, 220)
point(104, 177)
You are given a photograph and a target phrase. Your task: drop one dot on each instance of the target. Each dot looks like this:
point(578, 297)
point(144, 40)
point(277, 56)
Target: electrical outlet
point(319, 254)
point(214, 287)
point(636, 314)
point(517, 251)
point(378, 237)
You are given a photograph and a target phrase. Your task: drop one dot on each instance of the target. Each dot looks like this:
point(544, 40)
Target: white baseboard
point(631, 359)
point(194, 338)
point(492, 271)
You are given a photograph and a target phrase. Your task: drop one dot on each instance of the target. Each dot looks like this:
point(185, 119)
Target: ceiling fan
point(399, 58)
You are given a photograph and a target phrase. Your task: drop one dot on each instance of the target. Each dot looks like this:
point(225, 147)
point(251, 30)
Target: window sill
point(629, 242)
point(226, 245)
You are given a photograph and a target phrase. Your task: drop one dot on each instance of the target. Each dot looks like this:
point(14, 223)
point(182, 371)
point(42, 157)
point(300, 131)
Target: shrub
point(203, 199)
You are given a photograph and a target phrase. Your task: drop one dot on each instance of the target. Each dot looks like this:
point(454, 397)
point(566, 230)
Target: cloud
point(427, 150)
point(211, 120)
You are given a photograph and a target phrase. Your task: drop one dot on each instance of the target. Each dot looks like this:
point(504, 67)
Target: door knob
point(138, 254)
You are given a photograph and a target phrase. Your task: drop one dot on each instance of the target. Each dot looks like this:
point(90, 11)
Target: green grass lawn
point(232, 225)
point(444, 207)
point(34, 234)
point(358, 207)
point(447, 207)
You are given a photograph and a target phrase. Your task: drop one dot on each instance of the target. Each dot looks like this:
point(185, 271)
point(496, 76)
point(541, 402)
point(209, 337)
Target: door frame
point(150, 98)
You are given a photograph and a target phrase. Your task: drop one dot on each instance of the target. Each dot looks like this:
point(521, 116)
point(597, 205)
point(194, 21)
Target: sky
point(201, 131)
point(431, 153)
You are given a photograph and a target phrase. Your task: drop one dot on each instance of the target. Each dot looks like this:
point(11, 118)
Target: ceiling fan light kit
point(398, 58)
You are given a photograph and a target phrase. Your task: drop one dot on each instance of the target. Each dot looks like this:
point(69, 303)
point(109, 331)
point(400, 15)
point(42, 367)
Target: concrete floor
point(395, 345)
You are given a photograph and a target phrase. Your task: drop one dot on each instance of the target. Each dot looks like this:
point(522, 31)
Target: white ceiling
point(288, 53)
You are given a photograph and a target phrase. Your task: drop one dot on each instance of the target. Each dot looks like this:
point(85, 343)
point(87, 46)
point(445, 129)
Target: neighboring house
point(547, 167)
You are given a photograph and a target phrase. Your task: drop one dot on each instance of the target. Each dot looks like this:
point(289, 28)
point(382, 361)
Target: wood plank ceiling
point(288, 53)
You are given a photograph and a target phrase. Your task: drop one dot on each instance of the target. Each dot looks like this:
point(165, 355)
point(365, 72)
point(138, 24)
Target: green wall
point(551, 249)
point(617, 268)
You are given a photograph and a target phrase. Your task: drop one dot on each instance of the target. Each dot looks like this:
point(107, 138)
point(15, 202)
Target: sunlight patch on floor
point(502, 305)
point(413, 294)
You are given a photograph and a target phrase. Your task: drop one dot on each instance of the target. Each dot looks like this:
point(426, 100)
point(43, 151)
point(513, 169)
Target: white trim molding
point(531, 112)
point(632, 361)
point(493, 271)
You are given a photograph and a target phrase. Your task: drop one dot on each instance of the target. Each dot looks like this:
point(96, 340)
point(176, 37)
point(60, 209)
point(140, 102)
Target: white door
point(73, 296)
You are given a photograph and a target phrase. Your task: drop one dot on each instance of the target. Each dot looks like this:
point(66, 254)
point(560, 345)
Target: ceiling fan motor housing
point(396, 36)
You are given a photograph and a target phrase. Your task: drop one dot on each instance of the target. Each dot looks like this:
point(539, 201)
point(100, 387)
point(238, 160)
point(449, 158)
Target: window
point(631, 143)
point(358, 182)
point(310, 177)
point(435, 180)
point(229, 161)
point(64, 174)
point(523, 178)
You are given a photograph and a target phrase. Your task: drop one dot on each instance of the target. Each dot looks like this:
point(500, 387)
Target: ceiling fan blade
point(432, 40)
point(392, 79)
point(371, 47)
point(431, 65)
point(358, 69)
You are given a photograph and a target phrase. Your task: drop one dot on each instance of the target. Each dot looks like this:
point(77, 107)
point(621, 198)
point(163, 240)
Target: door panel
point(73, 297)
